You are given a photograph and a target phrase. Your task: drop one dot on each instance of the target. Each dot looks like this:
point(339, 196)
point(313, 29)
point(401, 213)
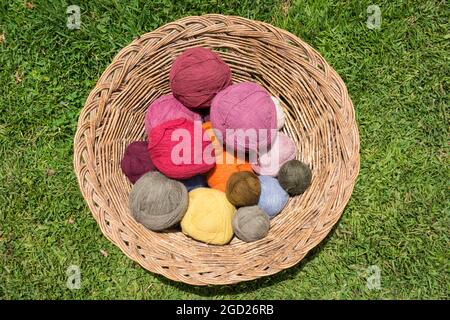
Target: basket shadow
point(249, 286)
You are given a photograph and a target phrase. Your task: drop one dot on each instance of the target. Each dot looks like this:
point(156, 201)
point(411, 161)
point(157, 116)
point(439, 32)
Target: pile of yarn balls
point(212, 199)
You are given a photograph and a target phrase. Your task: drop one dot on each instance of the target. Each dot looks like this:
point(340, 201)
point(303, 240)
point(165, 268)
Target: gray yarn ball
point(295, 177)
point(157, 201)
point(251, 223)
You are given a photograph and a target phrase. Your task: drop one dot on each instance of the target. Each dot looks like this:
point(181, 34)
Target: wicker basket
point(319, 117)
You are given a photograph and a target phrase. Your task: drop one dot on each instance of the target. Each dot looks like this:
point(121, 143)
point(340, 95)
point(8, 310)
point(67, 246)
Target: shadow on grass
point(249, 286)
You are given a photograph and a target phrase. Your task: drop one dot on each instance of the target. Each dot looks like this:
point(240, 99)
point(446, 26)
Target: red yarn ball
point(136, 161)
point(197, 75)
point(180, 149)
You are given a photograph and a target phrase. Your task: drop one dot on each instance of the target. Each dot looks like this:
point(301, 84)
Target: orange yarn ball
point(210, 132)
point(218, 177)
point(226, 164)
point(218, 147)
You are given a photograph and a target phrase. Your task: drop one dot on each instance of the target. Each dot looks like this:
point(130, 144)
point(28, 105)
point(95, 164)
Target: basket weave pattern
point(319, 117)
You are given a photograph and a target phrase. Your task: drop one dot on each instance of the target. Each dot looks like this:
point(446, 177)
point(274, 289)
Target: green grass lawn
point(397, 218)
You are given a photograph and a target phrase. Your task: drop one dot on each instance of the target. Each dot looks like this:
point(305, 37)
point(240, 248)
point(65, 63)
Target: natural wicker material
point(319, 117)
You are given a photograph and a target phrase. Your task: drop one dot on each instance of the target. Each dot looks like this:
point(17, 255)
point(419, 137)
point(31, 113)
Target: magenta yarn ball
point(282, 150)
point(167, 108)
point(197, 75)
point(245, 106)
point(180, 149)
point(136, 161)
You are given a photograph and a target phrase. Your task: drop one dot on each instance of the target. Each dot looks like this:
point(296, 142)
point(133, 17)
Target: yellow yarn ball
point(209, 216)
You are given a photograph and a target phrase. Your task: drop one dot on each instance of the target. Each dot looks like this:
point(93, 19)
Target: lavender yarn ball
point(167, 108)
point(273, 198)
point(244, 106)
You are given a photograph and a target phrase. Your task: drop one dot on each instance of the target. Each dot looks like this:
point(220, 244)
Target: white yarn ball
point(280, 112)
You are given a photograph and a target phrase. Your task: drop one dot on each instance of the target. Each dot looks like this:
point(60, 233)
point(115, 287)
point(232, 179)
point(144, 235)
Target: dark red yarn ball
point(197, 75)
point(136, 161)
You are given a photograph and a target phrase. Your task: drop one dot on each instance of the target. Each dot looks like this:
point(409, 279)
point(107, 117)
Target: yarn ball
point(251, 223)
point(245, 115)
point(243, 189)
point(273, 198)
point(209, 216)
point(282, 150)
point(280, 113)
point(218, 177)
point(167, 108)
point(295, 177)
point(197, 75)
point(177, 149)
point(158, 202)
point(207, 126)
point(218, 147)
point(136, 161)
point(198, 181)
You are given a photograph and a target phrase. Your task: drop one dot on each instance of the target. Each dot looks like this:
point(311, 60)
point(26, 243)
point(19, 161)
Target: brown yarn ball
point(243, 189)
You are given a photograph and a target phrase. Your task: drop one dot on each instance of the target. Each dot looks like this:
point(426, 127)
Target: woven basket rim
point(97, 180)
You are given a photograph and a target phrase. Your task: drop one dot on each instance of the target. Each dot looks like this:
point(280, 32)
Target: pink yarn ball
point(167, 108)
point(245, 106)
point(178, 150)
point(282, 150)
point(197, 75)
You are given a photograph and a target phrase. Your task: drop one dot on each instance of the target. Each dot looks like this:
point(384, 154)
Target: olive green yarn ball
point(294, 177)
point(251, 223)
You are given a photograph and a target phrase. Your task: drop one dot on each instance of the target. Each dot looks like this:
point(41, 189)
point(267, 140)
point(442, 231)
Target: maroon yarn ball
point(136, 161)
point(178, 149)
point(197, 75)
